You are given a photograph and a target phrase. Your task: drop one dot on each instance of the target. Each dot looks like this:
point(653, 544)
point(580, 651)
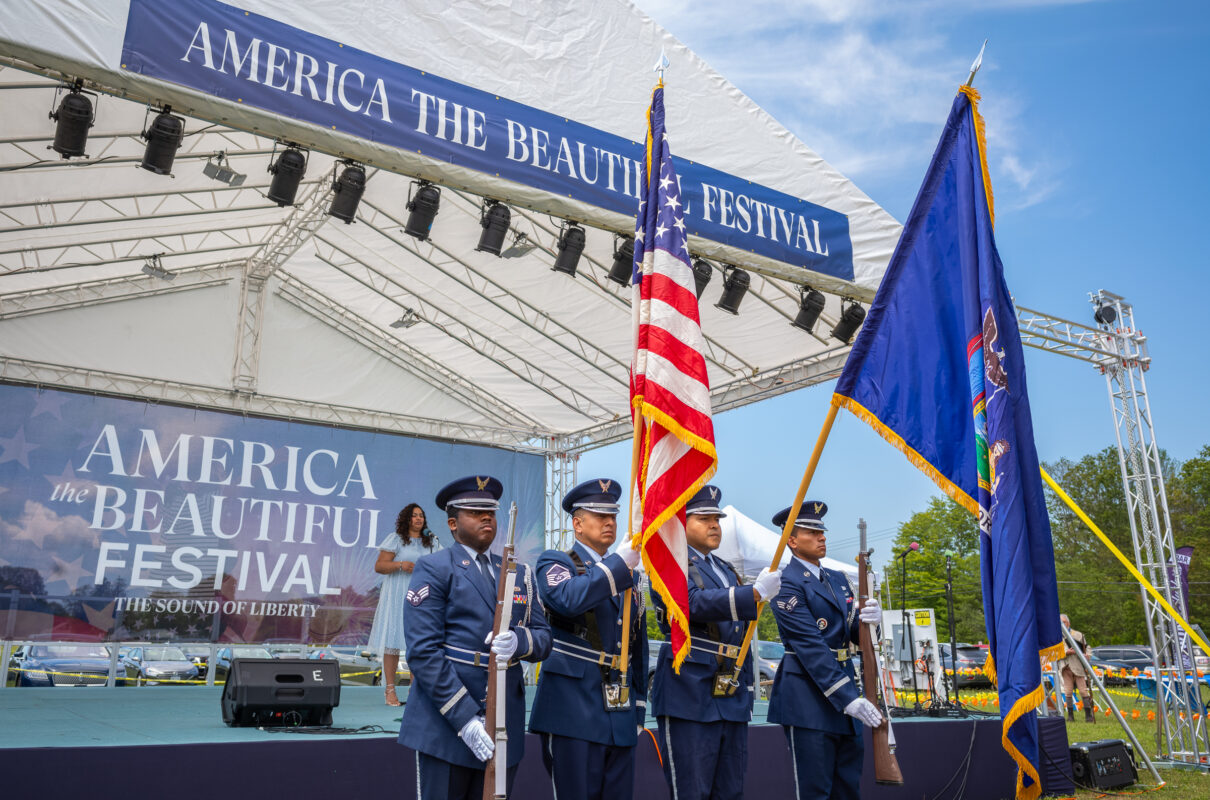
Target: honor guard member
point(448, 631)
point(815, 693)
point(703, 714)
point(589, 720)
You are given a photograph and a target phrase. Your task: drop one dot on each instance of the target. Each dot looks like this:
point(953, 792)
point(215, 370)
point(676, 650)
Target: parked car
point(1124, 655)
point(1110, 672)
point(768, 658)
point(225, 655)
point(151, 665)
point(970, 657)
point(354, 667)
point(59, 665)
point(199, 656)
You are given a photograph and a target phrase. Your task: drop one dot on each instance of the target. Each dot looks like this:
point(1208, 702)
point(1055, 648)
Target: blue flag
point(939, 372)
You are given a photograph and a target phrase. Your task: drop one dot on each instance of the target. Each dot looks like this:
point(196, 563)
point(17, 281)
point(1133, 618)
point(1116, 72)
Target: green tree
point(1189, 504)
point(944, 527)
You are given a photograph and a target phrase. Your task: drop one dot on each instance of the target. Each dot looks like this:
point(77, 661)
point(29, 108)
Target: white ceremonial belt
point(585, 654)
point(463, 655)
point(714, 648)
point(842, 654)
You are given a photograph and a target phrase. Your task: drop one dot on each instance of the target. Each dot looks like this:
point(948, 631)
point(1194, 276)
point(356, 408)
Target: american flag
point(669, 387)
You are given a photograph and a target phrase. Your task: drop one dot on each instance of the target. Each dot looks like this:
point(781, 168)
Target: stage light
point(219, 168)
point(423, 206)
point(287, 173)
point(850, 320)
point(735, 286)
point(153, 268)
point(1105, 315)
point(72, 120)
point(163, 139)
point(571, 245)
point(520, 246)
point(702, 272)
point(494, 218)
point(347, 191)
point(810, 306)
point(409, 318)
point(622, 272)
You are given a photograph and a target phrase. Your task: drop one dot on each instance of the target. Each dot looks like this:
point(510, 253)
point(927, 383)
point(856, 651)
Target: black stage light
point(347, 192)
point(72, 120)
point(571, 245)
point(810, 306)
point(622, 272)
point(287, 172)
point(735, 286)
point(850, 320)
point(1105, 315)
point(494, 218)
point(163, 139)
point(423, 206)
point(702, 272)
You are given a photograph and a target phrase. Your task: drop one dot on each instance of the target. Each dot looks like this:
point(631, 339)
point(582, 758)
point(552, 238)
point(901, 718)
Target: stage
point(68, 742)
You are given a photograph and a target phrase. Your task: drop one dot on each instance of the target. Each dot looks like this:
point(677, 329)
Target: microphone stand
point(949, 600)
point(908, 628)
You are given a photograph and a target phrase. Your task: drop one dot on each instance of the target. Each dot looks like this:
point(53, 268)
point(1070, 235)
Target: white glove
point(476, 738)
point(768, 583)
point(865, 712)
point(628, 554)
point(503, 645)
point(871, 612)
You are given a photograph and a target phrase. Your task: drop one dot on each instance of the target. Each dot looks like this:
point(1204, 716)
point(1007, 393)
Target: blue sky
point(1097, 136)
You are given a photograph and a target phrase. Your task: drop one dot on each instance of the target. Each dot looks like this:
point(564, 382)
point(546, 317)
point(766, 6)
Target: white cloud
point(866, 84)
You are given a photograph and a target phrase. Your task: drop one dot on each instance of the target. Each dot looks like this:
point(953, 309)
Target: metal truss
point(118, 209)
point(560, 479)
point(1119, 351)
point(15, 370)
point(124, 287)
point(813, 369)
point(305, 218)
point(715, 354)
point(132, 246)
point(465, 334)
point(502, 298)
point(365, 333)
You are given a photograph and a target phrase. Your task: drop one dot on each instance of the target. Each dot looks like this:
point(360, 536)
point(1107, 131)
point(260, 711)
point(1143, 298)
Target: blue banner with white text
point(123, 520)
point(254, 60)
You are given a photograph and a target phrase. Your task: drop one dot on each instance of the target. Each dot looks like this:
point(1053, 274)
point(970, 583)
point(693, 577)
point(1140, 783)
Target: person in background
point(396, 559)
point(1073, 674)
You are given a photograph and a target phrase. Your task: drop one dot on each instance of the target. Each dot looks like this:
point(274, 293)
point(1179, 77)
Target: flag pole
point(1138, 576)
point(787, 529)
point(634, 482)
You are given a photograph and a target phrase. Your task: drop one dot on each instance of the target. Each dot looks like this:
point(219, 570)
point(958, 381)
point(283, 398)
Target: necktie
point(719, 569)
point(486, 568)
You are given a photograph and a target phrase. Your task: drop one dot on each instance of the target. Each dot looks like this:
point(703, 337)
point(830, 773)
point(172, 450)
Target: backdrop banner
point(255, 60)
point(127, 520)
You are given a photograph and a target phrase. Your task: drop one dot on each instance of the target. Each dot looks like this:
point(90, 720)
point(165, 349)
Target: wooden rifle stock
point(495, 716)
point(886, 766)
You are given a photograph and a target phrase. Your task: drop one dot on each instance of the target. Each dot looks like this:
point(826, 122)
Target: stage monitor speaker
point(1106, 764)
point(280, 692)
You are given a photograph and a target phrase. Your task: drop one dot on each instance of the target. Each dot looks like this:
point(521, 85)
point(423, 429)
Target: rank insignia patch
point(557, 574)
point(416, 596)
point(788, 605)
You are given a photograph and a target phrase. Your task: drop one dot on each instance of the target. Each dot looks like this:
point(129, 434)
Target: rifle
point(495, 773)
point(886, 766)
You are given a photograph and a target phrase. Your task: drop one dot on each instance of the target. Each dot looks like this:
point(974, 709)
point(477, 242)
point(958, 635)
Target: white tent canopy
point(749, 547)
point(287, 312)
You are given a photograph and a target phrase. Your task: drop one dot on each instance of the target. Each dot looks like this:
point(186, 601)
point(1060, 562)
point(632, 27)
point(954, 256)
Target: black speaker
point(1107, 764)
point(280, 692)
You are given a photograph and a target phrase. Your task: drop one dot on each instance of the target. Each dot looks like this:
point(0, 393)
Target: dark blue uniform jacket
point(815, 619)
point(688, 695)
point(449, 611)
point(569, 700)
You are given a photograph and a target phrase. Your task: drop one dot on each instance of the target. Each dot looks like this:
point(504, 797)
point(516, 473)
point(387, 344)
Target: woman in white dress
point(396, 559)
